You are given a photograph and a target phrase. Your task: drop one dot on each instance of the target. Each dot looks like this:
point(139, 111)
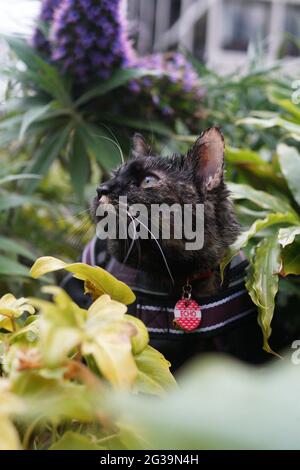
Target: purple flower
point(98, 28)
point(39, 40)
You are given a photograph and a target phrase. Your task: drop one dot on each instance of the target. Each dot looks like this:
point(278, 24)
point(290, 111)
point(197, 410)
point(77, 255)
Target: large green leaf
point(12, 246)
point(46, 76)
point(11, 200)
point(9, 438)
point(154, 376)
point(262, 283)
point(48, 151)
point(101, 146)
point(97, 280)
point(243, 156)
point(291, 260)
point(10, 267)
point(10, 178)
point(260, 198)
point(139, 124)
point(79, 165)
point(31, 116)
point(287, 235)
point(119, 78)
point(258, 225)
point(292, 128)
point(286, 104)
point(289, 159)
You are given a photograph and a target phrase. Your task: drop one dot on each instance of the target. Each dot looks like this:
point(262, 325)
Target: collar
point(155, 305)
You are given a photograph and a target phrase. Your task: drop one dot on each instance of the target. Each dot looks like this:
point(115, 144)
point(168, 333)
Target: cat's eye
point(149, 181)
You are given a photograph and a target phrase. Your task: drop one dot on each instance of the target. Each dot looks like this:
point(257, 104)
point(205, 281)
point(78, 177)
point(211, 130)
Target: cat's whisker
point(133, 240)
point(161, 251)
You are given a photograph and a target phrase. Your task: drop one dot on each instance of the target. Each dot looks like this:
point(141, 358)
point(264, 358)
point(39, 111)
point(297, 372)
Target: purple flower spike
point(99, 29)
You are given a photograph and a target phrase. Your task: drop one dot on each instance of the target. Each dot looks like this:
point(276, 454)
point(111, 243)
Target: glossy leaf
point(154, 376)
point(258, 225)
point(262, 283)
point(289, 159)
point(291, 260)
point(9, 438)
point(79, 165)
point(97, 280)
point(119, 78)
point(260, 198)
point(287, 235)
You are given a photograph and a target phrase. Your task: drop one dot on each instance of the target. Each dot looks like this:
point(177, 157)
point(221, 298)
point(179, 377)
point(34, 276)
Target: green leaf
point(10, 267)
point(34, 114)
point(140, 339)
point(10, 178)
point(289, 159)
point(108, 339)
point(74, 441)
point(243, 156)
point(154, 376)
point(11, 246)
point(46, 76)
point(260, 198)
point(287, 235)
point(139, 124)
point(97, 280)
point(286, 104)
point(119, 78)
point(262, 283)
point(11, 200)
point(291, 260)
point(292, 128)
point(260, 224)
point(48, 151)
point(9, 438)
point(79, 165)
point(101, 146)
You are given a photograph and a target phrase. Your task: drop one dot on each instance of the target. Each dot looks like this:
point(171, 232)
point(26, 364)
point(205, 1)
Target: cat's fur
point(185, 179)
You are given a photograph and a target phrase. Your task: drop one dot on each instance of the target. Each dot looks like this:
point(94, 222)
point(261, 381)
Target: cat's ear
point(140, 148)
point(207, 158)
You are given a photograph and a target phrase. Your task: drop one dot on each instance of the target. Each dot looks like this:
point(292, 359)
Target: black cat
point(161, 271)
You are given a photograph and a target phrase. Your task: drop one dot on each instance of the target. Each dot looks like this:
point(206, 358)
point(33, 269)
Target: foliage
point(59, 367)
point(276, 217)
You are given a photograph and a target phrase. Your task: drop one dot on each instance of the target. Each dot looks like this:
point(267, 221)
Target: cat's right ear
point(140, 148)
point(207, 158)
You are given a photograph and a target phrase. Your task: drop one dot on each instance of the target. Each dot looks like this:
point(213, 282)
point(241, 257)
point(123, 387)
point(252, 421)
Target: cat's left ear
point(140, 148)
point(207, 158)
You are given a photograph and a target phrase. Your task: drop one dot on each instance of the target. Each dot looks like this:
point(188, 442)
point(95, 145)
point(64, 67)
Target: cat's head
point(194, 178)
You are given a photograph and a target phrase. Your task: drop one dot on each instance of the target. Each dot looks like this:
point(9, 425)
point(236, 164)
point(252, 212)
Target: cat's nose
point(102, 190)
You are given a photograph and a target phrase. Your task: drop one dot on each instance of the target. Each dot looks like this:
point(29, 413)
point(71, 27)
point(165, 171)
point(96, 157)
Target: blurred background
point(217, 31)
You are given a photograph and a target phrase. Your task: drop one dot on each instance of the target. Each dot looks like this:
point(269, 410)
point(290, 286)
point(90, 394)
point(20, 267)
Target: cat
point(159, 270)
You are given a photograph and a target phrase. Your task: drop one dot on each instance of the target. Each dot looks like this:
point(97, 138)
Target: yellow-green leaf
point(97, 280)
point(9, 438)
point(141, 338)
point(154, 376)
point(111, 350)
point(262, 283)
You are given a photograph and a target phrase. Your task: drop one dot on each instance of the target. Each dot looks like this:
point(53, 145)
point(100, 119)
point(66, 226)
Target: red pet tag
point(187, 312)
